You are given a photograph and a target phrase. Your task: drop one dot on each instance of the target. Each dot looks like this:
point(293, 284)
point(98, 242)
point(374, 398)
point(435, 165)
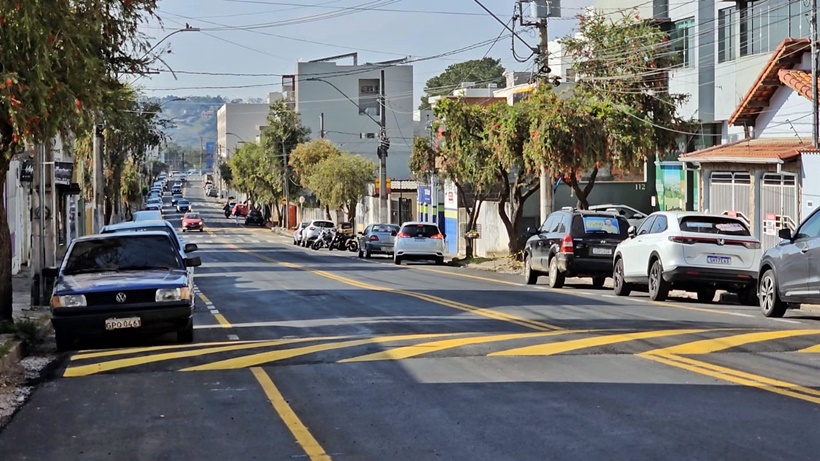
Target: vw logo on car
point(120, 297)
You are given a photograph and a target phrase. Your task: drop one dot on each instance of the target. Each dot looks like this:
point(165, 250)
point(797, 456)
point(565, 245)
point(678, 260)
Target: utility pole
point(814, 56)
point(201, 150)
point(384, 146)
point(545, 188)
point(99, 179)
point(285, 185)
point(322, 125)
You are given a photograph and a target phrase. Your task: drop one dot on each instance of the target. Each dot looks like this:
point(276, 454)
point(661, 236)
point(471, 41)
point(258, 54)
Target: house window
point(727, 20)
point(683, 41)
point(369, 96)
point(765, 24)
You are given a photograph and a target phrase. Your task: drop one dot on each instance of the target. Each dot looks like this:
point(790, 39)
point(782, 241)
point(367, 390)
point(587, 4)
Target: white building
point(345, 97)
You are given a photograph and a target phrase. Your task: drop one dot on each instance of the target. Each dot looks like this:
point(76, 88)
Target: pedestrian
point(235, 215)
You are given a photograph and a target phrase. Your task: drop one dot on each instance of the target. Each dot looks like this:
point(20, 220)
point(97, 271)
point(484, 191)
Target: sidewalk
point(12, 348)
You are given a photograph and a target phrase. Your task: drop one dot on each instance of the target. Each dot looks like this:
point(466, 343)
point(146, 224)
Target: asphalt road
point(319, 355)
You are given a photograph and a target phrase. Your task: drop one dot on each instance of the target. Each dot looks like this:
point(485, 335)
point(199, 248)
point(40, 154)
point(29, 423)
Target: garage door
point(778, 206)
point(730, 191)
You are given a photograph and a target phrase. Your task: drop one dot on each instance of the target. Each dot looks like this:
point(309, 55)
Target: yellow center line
point(219, 317)
point(406, 352)
point(738, 377)
point(708, 346)
point(273, 356)
point(94, 368)
point(304, 438)
point(584, 343)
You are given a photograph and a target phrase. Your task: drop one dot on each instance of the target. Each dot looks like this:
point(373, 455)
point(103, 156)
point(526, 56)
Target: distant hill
point(194, 117)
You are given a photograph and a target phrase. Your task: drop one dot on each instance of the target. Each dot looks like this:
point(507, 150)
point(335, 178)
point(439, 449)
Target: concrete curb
point(19, 348)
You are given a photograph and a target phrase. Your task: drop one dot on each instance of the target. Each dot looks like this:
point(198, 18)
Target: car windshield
point(132, 252)
point(420, 230)
point(192, 216)
point(184, 202)
point(713, 225)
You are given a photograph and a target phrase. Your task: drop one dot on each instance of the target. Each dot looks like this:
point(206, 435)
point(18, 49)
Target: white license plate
point(723, 260)
point(128, 322)
point(602, 251)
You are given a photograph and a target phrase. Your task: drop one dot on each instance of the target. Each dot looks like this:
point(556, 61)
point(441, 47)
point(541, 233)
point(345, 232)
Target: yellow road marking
point(222, 320)
point(738, 377)
point(707, 346)
point(203, 297)
point(812, 349)
point(489, 313)
point(94, 368)
point(273, 356)
point(135, 350)
point(309, 444)
point(584, 343)
point(435, 346)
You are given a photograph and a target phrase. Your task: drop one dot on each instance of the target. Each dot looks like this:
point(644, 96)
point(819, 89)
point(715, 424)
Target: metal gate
point(778, 206)
point(730, 191)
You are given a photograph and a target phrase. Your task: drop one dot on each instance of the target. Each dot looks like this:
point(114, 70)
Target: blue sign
point(424, 194)
point(210, 147)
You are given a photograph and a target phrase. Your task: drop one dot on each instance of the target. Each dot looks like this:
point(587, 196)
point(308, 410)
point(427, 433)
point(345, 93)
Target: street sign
point(27, 171)
point(210, 147)
point(63, 172)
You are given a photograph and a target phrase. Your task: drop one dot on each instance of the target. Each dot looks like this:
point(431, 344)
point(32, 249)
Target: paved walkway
point(21, 298)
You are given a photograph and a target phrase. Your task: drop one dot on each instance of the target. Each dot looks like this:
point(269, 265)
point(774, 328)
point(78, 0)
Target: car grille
point(110, 297)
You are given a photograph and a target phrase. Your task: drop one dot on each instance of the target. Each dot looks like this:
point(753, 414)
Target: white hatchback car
point(419, 241)
point(688, 251)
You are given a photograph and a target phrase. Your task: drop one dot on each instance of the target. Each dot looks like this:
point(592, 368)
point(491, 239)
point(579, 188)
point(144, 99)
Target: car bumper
point(380, 247)
point(419, 254)
point(193, 226)
point(154, 319)
point(710, 275)
point(571, 265)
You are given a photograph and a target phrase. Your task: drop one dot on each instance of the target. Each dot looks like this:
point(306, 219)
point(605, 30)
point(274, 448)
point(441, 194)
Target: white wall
point(343, 122)
point(494, 240)
point(810, 182)
point(240, 119)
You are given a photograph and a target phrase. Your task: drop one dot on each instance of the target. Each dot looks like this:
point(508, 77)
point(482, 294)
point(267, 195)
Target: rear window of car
point(420, 230)
point(323, 224)
point(385, 228)
point(713, 225)
point(598, 225)
point(125, 253)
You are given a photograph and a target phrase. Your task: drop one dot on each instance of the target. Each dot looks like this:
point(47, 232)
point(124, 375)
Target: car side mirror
point(532, 230)
point(191, 247)
point(196, 261)
point(51, 272)
point(785, 234)
point(632, 231)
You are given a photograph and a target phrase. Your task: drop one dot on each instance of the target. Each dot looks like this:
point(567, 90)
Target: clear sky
point(258, 37)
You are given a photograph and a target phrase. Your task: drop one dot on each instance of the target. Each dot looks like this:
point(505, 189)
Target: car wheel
point(201, 229)
point(397, 260)
point(748, 296)
point(530, 276)
point(658, 287)
point(556, 277)
point(440, 261)
point(598, 282)
point(619, 284)
point(770, 302)
point(706, 294)
point(186, 334)
point(360, 254)
point(183, 230)
point(65, 341)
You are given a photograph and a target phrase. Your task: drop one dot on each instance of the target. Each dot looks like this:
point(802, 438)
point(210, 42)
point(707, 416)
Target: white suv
point(688, 251)
point(313, 229)
point(419, 241)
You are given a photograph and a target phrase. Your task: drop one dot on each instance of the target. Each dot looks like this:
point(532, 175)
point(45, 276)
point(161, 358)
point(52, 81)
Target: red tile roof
point(761, 150)
point(787, 55)
point(798, 80)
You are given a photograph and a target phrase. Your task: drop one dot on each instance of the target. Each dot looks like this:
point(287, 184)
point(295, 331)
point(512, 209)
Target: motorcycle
point(343, 242)
point(324, 239)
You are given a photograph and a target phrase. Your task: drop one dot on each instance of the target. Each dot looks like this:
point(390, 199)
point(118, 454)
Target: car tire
point(202, 230)
point(360, 254)
point(440, 261)
point(658, 287)
point(748, 296)
point(65, 341)
point(598, 282)
point(556, 277)
point(186, 334)
point(367, 253)
point(183, 230)
point(770, 302)
point(397, 260)
point(706, 294)
point(619, 284)
point(530, 276)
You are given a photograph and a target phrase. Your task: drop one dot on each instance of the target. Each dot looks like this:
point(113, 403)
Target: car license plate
point(602, 251)
point(117, 324)
point(723, 260)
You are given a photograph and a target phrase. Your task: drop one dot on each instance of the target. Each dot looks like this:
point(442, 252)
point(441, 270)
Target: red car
point(192, 221)
point(240, 209)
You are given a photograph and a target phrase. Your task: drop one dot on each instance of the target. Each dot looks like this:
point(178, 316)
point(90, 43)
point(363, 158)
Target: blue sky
point(269, 37)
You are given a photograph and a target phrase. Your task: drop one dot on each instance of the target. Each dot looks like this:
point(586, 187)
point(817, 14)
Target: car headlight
point(172, 294)
point(68, 301)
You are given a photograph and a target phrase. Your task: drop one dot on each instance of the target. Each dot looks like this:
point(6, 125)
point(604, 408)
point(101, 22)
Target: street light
point(187, 28)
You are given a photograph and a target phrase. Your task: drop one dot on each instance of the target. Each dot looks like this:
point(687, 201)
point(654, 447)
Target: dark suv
point(788, 272)
point(574, 243)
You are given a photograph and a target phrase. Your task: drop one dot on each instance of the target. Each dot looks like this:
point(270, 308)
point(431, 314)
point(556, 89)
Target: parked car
point(297, 234)
point(419, 241)
point(240, 209)
point(192, 221)
point(113, 284)
point(147, 215)
point(314, 228)
point(212, 192)
point(377, 239)
point(633, 216)
point(789, 271)
point(689, 251)
point(573, 243)
point(255, 218)
point(183, 206)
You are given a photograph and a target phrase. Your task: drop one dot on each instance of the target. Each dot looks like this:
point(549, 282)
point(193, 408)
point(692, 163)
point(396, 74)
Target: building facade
point(236, 124)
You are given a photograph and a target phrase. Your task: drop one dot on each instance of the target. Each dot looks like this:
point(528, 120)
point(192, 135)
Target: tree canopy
point(485, 70)
point(340, 181)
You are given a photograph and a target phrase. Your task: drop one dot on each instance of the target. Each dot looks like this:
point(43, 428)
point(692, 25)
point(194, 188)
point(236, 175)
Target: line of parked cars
point(677, 250)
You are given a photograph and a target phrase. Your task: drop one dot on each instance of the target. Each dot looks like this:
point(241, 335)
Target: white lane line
point(233, 337)
point(609, 296)
point(738, 314)
point(785, 320)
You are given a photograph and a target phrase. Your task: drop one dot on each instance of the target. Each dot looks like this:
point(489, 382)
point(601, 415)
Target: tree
point(226, 173)
point(422, 158)
point(485, 70)
point(306, 157)
point(248, 167)
point(340, 181)
point(465, 155)
point(282, 134)
point(623, 66)
point(59, 61)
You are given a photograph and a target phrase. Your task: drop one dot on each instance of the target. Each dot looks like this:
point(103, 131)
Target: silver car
point(377, 238)
point(297, 234)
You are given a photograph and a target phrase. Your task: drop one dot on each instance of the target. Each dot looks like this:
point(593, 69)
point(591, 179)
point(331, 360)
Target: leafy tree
point(340, 181)
point(486, 70)
point(282, 134)
point(306, 157)
point(624, 65)
point(226, 173)
point(59, 62)
point(156, 168)
point(248, 165)
point(422, 158)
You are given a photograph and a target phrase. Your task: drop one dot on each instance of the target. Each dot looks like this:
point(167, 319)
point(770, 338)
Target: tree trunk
point(512, 223)
point(327, 213)
point(583, 194)
point(472, 217)
point(6, 289)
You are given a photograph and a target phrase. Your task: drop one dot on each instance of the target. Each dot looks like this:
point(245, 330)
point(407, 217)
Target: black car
point(122, 284)
point(255, 218)
point(574, 243)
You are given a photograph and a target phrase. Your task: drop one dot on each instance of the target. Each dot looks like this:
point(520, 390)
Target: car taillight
point(751, 244)
point(566, 244)
point(402, 235)
point(683, 240)
point(374, 238)
point(312, 228)
point(437, 236)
